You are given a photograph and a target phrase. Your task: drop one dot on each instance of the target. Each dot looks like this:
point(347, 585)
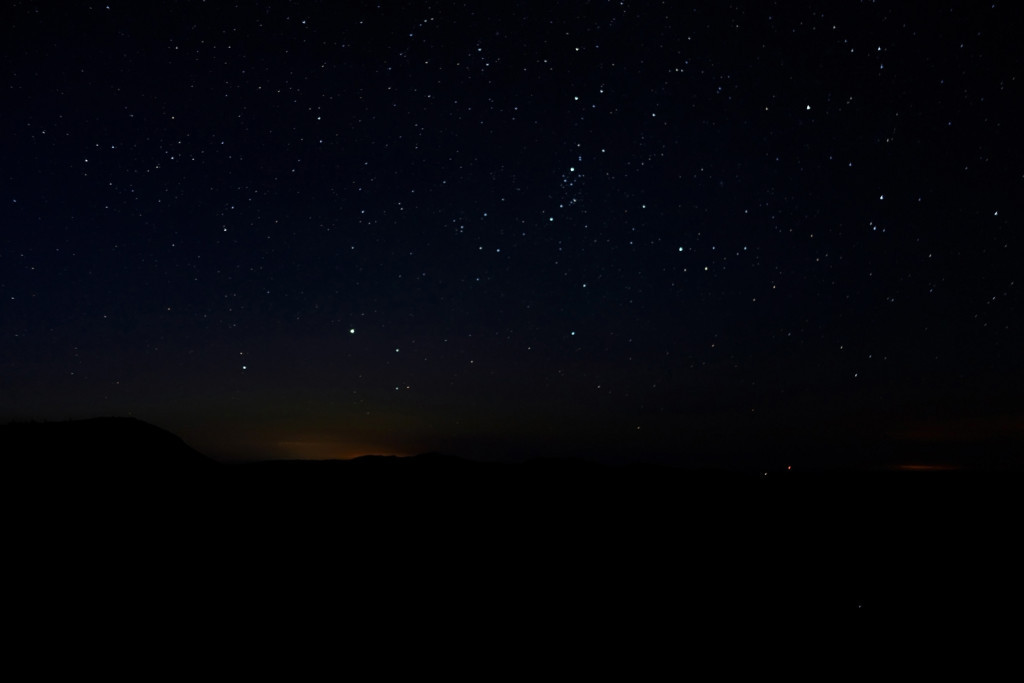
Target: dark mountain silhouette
point(106, 444)
point(116, 511)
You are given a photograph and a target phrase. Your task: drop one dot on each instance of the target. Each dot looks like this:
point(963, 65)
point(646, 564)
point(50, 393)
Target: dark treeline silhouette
point(122, 509)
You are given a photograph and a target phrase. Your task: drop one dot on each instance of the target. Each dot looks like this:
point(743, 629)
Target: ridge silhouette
point(98, 443)
point(587, 545)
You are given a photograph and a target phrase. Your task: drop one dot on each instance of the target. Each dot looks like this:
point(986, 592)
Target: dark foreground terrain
point(120, 520)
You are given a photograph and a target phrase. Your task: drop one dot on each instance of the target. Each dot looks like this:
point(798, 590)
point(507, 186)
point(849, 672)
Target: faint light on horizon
point(330, 450)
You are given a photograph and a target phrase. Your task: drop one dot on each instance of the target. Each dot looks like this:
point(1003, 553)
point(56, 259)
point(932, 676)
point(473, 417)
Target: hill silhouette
point(104, 442)
point(564, 545)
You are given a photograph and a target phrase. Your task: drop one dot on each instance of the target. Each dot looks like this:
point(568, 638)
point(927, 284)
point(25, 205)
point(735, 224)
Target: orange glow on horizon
point(330, 450)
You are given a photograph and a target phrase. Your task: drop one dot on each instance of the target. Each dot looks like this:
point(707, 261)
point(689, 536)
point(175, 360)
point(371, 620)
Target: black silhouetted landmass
point(563, 545)
point(100, 444)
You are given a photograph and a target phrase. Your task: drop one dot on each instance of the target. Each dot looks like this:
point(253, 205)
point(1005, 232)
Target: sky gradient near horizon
point(302, 229)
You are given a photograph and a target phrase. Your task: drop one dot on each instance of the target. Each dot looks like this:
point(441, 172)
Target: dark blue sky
point(672, 230)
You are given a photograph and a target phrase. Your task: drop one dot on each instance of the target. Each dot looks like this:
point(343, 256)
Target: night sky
point(687, 232)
